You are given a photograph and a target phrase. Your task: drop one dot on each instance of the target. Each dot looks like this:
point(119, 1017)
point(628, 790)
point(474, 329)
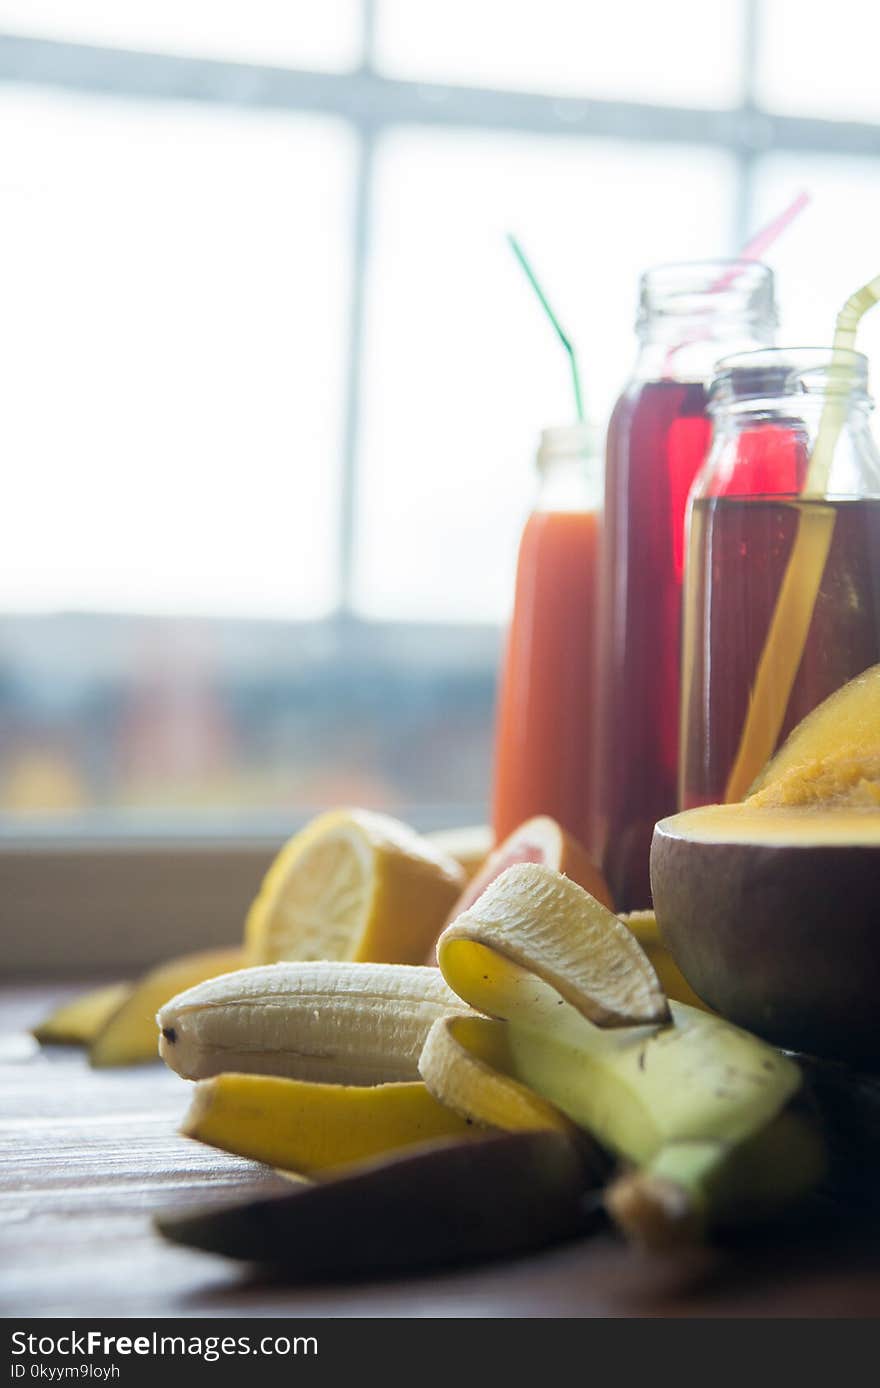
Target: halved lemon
point(353, 885)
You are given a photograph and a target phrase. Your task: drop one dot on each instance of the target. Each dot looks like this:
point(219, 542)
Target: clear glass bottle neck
point(690, 315)
point(570, 470)
point(775, 405)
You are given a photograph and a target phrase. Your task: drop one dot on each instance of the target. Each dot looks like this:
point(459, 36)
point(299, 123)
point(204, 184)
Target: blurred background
point(271, 381)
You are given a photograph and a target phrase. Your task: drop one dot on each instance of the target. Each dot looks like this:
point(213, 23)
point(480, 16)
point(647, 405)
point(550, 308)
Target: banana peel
point(534, 938)
point(448, 1203)
point(643, 925)
point(689, 1186)
point(682, 1100)
point(309, 1128)
point(77, 1023)
point(129, 1036)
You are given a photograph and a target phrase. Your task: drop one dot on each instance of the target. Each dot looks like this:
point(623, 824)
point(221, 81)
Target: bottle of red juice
point(658, 439)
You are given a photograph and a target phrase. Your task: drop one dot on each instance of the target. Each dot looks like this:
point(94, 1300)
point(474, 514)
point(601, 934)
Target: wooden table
point(87, 1156)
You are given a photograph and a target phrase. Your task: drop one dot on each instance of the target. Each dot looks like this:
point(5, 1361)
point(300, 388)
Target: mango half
point(773, 916)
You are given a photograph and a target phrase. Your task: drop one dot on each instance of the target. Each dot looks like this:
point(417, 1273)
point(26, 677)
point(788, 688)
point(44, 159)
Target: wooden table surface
point(87, 1156)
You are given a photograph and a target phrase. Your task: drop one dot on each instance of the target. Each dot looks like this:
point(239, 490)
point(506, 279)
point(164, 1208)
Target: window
point(289, 33)
point(815, 63)
point(569, 48)
point(272, 382)
point(448, 435)
point(176, 282)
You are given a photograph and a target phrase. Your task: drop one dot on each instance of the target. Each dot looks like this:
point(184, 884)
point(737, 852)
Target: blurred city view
point(158, 715)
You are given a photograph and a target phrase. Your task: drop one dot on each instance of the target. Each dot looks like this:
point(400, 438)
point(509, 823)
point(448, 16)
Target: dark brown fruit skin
point(450, 1203)
point(783, 940)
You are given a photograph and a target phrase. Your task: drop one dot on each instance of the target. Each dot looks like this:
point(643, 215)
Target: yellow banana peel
point(308, 1128)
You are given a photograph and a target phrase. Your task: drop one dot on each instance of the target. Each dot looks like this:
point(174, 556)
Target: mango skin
point(783, 940)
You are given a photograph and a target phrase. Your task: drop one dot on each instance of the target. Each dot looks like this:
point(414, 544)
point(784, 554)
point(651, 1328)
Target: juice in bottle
point(658, 440)
point(747, 510)
point(546, 705)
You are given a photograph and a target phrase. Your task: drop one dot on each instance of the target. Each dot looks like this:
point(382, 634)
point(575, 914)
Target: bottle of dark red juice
point(658, 439)
point(783, 561)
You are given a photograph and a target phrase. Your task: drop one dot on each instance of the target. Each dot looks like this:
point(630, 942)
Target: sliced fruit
point(643, 925)
point(309, 1128)
point(535, 933)
point(455, 1202)
point(833, 756)
point(76, 1023)
point(539, 840)
point(343, 1023)
point(353, 886)
point(128, 1037)
point(771, 914)
point(469, 846)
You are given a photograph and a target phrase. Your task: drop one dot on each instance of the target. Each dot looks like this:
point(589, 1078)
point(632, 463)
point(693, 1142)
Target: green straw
point(561, 334)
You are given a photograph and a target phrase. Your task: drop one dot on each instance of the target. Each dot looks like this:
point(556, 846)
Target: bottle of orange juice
point(546, 703)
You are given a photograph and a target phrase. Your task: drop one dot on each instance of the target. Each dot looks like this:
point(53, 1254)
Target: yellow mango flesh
point(832, 757)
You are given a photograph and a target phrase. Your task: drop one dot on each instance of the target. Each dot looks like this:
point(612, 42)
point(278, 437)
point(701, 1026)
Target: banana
point(643, 925)
point(533, 937)
point(635, 1089)
point(328, 1021)
point(681, 1101)
point(308, 1128)
point(689, 1185)
point(698, 1079)
point(467, 1063)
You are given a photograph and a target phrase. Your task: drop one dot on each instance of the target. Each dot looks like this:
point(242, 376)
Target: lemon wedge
point(353, 885)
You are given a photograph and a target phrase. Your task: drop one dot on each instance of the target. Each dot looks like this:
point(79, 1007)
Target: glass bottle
point(658, 438)
point(546, 702)
point(760, 519)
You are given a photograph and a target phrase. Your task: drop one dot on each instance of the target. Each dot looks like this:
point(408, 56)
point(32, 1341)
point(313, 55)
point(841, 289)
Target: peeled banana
point(680, 1101)
point(336, 1022)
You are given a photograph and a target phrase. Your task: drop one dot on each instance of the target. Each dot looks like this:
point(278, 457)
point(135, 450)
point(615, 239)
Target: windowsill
point(116, 893)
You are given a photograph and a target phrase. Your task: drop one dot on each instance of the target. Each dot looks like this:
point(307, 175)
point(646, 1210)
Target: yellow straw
point(789, 628)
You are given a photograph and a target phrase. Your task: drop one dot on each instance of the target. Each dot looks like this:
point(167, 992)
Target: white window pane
point(462, 370)
point(680, 53)
point(300, 33)
point(816, 60)
point(174, 283)
point(830, 251)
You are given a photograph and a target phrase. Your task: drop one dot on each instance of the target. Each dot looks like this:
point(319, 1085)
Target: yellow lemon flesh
point(353, 885)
